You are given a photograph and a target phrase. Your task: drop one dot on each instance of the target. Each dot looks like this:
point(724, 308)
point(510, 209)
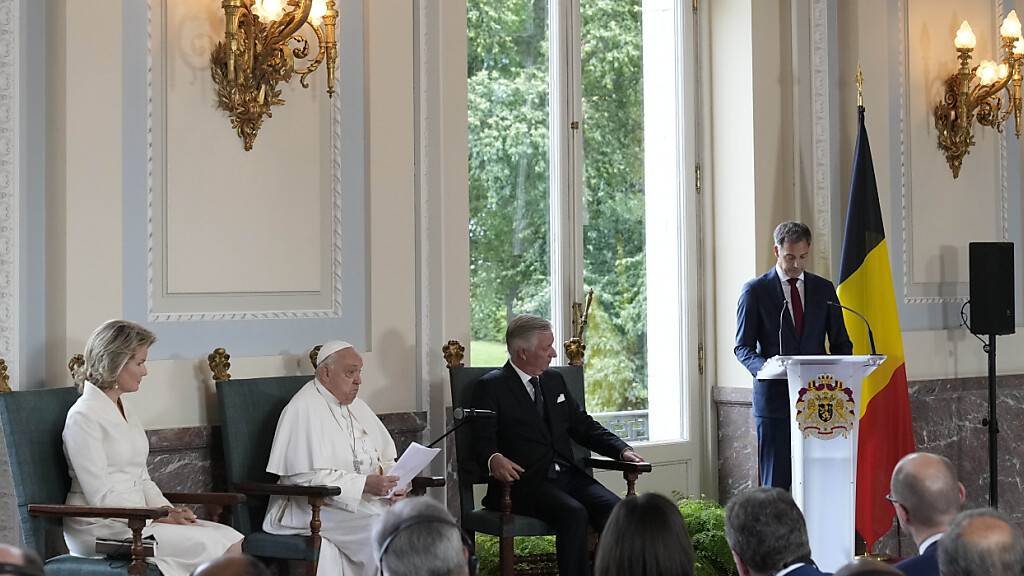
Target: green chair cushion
point(266, 545)
point(33, 421)
point(68, 565)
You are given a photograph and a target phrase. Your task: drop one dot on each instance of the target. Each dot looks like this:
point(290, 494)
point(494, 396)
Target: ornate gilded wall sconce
point(259, 51)
point(976, 93)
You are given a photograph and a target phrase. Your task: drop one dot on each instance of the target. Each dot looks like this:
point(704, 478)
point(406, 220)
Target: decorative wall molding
point(157, 281)
point(10, 135)
point(821, 134)
point(917, 292)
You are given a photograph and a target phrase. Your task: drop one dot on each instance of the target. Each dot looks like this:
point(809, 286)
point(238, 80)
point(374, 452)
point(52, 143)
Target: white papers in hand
point(413, 461)
point(773, 369)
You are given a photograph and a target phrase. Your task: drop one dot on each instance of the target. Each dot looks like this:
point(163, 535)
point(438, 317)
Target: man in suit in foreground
point(529, 443)
point(982, 542)
point(767, 534)
point(927, 496)
point(787, 311)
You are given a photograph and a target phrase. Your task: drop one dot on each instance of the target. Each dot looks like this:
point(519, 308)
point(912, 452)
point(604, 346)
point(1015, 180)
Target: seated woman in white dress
point(106, 449)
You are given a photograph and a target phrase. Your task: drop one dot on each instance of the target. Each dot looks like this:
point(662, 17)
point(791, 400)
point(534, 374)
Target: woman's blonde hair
point(109, 348)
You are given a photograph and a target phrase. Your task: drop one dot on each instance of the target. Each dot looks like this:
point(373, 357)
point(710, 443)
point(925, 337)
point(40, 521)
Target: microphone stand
point(448, 432)
point(992, 423)
point(871, 335)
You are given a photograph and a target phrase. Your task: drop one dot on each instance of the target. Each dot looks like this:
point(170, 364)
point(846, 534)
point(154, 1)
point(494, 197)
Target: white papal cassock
point(106, 455)
point(321, 441)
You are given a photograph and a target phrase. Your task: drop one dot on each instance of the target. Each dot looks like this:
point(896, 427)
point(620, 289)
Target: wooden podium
point(824, 409)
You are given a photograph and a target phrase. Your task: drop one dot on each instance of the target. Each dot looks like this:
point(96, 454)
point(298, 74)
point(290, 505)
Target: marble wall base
point(947, 416)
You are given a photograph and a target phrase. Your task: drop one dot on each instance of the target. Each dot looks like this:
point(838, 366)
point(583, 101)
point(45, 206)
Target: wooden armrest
point(427, 482)
point(264, 489)
point(69, 511)
point(606, 464)
point(205, 498)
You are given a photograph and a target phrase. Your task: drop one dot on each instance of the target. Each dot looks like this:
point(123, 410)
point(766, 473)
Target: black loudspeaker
point(992, 306)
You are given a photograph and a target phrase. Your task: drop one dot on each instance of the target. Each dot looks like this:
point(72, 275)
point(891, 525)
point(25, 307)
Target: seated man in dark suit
point(927, 496)
point(529, 443)
point(767, 534)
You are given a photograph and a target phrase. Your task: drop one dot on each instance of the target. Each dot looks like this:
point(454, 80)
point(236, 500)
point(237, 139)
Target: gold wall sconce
point(976, 93)
point(259, 51)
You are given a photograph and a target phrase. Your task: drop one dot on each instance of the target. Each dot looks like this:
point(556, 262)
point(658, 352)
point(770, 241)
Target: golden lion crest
point(825, 408)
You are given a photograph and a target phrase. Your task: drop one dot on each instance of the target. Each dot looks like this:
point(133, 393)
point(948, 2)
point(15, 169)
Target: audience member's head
point(982, 543)
point(418, 537)
point(645, 536)
point(243, 565)
point(926, 494)
point(867, 567)
point(766, 531)
point(16, 561)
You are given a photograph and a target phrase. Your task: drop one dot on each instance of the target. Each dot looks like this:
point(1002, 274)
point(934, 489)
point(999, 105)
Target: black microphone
point(462, 413)
point(871, 335)
point(460, 416)
point(781, 312)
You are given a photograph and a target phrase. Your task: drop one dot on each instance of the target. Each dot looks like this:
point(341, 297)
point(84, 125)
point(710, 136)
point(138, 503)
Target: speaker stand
point(992, 423)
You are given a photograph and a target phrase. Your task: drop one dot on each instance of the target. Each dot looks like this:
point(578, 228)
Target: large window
point(574, 166)
point(508, 169)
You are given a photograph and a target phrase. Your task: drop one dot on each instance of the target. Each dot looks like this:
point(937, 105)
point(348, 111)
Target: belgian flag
point(865, 284)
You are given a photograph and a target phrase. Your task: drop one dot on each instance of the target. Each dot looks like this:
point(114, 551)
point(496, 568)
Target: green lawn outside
point(484, 353)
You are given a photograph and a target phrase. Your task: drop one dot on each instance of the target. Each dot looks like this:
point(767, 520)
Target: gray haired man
point(418, 537)
point(767, 534)
point(529, 442)
point(982, 543)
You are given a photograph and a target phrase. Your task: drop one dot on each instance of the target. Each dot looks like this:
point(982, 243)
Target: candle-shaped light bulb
point(1004, 71)
point(965, 37)
point(1011, 26)
point(268, 10)
point(316, 13)
point(1018, 46)
point(987, 72)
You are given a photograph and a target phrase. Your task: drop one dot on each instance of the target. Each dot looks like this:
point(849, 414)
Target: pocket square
point(561, 398)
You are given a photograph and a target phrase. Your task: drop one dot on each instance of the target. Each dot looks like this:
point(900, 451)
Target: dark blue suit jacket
point(807, 569)
point(757, 333)
point(926, 564)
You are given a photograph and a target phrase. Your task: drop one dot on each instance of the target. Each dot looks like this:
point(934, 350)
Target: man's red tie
point(798, 307)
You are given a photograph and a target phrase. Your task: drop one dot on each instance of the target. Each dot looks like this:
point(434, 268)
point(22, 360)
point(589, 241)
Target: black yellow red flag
point(865, 284)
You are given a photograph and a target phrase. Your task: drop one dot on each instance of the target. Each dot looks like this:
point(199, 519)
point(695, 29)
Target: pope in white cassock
point(327, 436)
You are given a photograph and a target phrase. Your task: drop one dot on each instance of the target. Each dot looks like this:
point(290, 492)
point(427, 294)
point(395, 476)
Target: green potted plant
point(705, 521)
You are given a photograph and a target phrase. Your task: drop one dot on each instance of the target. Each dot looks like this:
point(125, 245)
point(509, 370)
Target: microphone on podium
point(871, 335)
point(782, 311)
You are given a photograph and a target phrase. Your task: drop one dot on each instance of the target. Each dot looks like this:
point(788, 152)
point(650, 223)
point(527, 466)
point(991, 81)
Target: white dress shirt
point(785, 289)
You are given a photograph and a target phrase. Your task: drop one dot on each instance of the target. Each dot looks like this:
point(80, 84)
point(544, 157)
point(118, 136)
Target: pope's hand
point(379, 485)
point(181, 515)
point(504, 469)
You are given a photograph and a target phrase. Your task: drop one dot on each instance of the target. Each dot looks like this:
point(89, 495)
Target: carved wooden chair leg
point(506, 546)
point(138, 565)
point(630, 478)
point(314, 534)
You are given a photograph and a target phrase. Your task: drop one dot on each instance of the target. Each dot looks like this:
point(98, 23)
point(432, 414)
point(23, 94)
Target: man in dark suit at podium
point(529, 443)
point(927, 497)
point(786, 311)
